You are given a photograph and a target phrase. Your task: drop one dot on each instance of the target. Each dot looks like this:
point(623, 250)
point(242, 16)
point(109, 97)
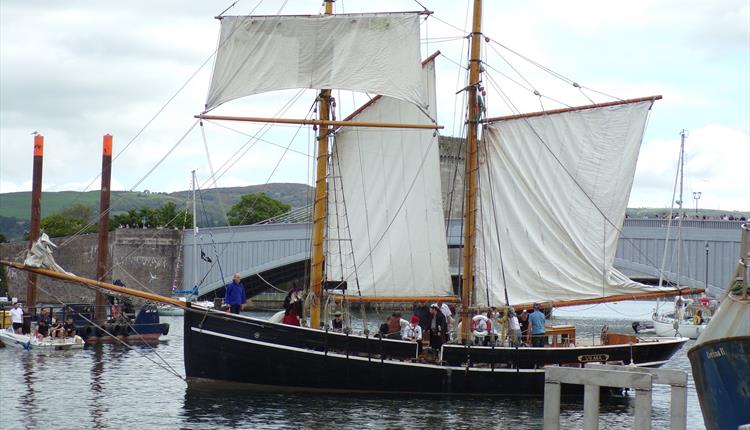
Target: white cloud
point(75, 70)
point(716, 164)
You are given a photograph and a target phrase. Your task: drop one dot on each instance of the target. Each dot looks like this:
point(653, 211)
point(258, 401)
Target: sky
point(76, 70)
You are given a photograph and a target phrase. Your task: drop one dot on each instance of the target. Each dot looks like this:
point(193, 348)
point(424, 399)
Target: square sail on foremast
point(374, 53)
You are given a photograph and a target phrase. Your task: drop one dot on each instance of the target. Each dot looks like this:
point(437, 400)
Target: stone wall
point(452, 175)
point(144, 259)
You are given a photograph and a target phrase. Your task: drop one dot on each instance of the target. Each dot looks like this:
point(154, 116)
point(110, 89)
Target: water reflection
point(97, 407)
point(28, 404)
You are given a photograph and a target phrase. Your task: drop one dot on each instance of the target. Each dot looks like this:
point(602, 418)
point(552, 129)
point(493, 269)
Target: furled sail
point(385, 218)
point(547, 228)
point(375, 53)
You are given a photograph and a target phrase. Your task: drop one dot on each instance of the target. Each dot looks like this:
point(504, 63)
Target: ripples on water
point(115, 387)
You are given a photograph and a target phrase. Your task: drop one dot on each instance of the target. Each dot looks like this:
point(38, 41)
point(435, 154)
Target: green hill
point(212, 203)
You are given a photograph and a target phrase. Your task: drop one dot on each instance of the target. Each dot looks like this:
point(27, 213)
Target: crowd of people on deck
point(434, 325)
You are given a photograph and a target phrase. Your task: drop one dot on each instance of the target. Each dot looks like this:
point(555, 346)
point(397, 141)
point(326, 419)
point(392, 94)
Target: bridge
point(277, 255)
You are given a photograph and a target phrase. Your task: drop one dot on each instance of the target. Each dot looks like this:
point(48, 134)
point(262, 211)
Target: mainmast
point(471, 171)
point(321, 202)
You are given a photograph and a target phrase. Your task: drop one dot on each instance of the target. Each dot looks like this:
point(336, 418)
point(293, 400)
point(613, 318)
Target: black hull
point(211, 356)
point(269, 356)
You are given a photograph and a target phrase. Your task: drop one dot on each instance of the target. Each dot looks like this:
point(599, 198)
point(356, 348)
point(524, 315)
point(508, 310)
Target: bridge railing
point(688, 223)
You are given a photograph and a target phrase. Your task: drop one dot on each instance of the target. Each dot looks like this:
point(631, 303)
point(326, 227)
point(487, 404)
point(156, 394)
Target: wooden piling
point(36, 215)
point(101, 264)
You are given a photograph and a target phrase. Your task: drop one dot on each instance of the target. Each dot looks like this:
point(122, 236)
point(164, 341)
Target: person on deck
point(70, 329)
point(446, 310)
point(423, 312)
point(42, 328)
point(412, 331)
point(292, 307)
point(394, 326)
point(115, 311)
point(337, 323)
point(16, 318)
point(536, 320)
point(514, 328)
point(235, 294)
point(57, 330)
point(438, 327)
point(523, 321)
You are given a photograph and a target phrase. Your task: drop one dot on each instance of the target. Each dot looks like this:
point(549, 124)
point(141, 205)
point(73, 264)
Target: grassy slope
point(214, 201)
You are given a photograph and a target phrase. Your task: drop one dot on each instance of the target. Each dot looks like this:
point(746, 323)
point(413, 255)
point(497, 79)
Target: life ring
point(475, 323)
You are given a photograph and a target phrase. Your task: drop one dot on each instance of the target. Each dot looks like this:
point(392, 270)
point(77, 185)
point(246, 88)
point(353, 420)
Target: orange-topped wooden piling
point(101, 264)
point(36, 213)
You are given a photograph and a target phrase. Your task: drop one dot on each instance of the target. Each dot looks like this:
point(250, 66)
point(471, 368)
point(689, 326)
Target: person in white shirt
point(514, 329)
point(16, 318)
point(412, 331)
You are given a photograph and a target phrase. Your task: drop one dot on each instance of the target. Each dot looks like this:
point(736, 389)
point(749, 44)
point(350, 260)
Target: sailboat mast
point(679, 206)
point(195, 237)
point(471, 170)
point(321, 202)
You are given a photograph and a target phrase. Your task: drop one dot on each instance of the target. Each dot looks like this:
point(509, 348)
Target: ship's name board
point(716, 353)
point(590, 358)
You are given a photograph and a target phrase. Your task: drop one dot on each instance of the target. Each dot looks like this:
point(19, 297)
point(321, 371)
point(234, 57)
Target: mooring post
point(551, 404)
point(678, 408)
point(642, 409)
point(591, 407)
point(101, 264)
point(36, 215)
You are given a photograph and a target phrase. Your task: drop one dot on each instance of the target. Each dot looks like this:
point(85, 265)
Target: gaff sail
point(374, 53)
point(553, 191)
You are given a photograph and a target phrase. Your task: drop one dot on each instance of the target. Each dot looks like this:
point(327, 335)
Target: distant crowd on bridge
point(686, 216)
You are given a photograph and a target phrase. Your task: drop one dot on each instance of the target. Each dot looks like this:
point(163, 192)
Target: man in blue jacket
point(234, 295)
point(536, 319)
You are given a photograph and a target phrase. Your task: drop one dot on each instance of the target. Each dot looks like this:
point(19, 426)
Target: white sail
point(538, 222)
point(371, 53)
point(389, 180)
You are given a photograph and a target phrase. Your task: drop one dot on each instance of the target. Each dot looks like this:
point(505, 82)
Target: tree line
point(80, 219)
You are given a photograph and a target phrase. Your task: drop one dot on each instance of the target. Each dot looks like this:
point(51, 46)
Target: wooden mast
point(470, 175)
point(321, 202)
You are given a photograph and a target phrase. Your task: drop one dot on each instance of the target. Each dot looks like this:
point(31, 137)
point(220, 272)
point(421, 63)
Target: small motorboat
point(29, 342)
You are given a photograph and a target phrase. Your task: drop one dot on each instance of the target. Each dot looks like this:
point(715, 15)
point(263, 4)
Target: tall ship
point(544, 199)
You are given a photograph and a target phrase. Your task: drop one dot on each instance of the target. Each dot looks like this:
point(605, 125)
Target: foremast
point(471, 171)
point(321, 202)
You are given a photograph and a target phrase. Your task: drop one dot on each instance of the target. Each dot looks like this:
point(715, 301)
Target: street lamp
point(706, 283)
point(696, 197)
